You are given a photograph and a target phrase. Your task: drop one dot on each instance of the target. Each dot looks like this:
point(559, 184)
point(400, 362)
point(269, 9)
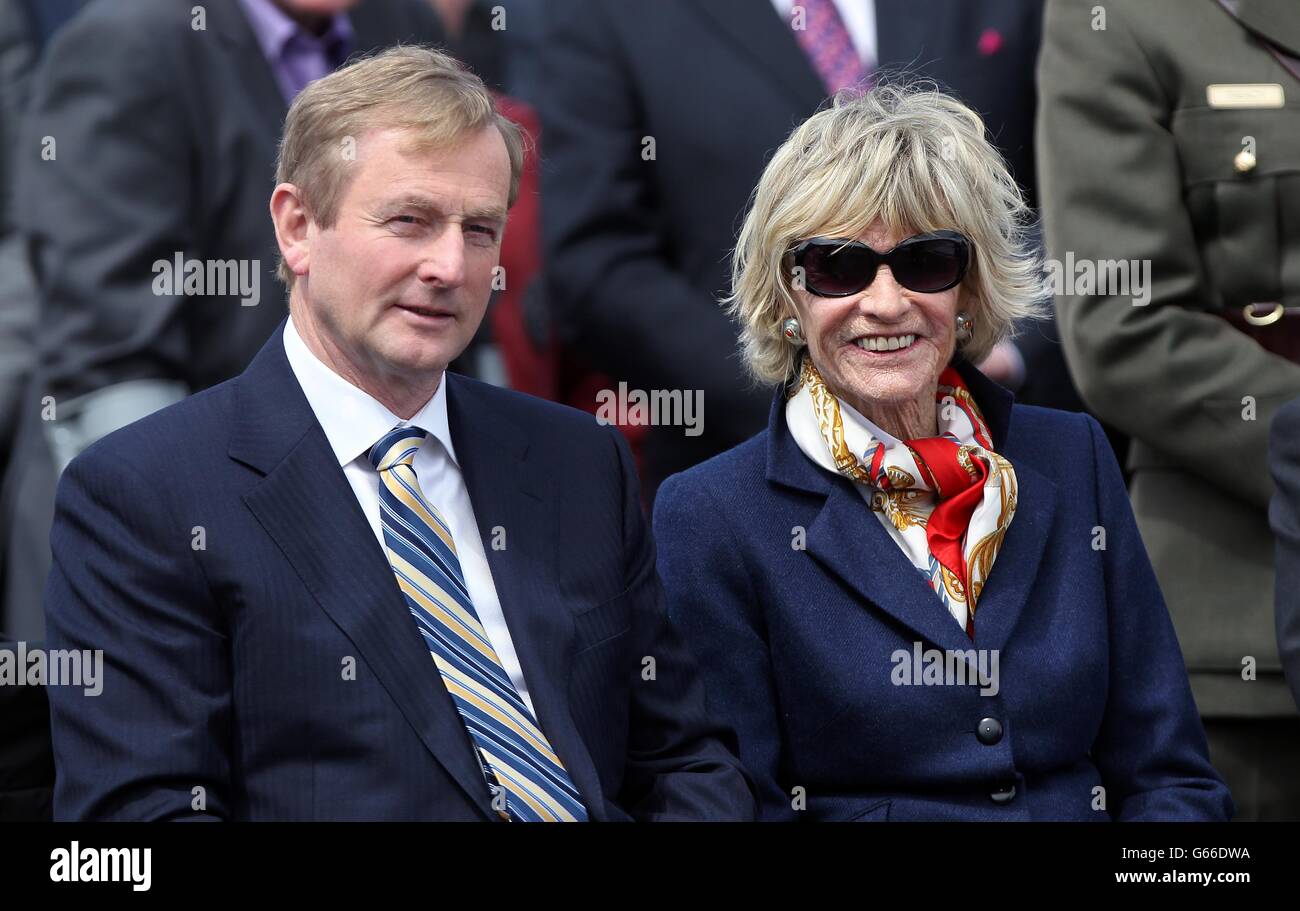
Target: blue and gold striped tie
point(514, 753)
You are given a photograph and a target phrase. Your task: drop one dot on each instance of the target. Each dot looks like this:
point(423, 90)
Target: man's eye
point(406, 219)
point(483, 229)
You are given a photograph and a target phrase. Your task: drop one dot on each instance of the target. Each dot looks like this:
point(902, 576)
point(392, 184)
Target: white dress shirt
point(859, 18)
point(353, 422)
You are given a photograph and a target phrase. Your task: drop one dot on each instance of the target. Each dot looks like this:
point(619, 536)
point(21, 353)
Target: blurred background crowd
point(133, 132)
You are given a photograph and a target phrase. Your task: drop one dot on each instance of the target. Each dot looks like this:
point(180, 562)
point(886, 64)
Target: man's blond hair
point(418, 89)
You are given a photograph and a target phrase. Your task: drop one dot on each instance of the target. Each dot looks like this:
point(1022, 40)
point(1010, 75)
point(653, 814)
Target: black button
point(989, 731)
point(1004, 794)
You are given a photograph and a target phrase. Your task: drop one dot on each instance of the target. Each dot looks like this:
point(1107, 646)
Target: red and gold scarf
point(946, 500)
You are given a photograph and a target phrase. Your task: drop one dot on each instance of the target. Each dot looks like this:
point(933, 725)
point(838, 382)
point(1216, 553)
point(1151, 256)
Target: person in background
point(150, 139)
point(1169, 144)
point(656, 122)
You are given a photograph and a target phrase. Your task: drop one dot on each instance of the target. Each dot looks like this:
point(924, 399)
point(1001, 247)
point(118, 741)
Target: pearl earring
point(792, 331)
point(965, 327)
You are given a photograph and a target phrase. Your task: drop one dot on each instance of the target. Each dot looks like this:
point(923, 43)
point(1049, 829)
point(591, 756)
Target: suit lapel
point(307, 506)
point(516, 508)
point(757, 32)
point(852, 544)
point(849, 540)
point(1010, 582)
point(249, 66)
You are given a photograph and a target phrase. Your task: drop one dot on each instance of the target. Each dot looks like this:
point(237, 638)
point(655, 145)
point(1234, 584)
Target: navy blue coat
point(796, 600)
point(225, 650)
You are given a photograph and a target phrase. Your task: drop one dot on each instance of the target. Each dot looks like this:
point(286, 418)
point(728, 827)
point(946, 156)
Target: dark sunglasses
point(926, 263)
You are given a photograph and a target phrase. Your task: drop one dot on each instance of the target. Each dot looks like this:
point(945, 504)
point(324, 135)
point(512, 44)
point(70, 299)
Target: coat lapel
point(516, 508)
point(249, 67)
point(766, 39)
point(850, 542)
point(307, 506)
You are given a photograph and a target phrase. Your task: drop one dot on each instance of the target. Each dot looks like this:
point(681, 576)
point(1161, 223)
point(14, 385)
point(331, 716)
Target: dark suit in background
point(635, 249)
point(19, 48)
point(165, 142)
point(223, 665)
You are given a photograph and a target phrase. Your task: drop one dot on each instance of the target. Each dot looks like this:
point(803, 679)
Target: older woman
point(914, 599)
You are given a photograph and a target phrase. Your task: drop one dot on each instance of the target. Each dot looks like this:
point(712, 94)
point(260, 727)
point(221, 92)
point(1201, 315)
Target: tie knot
point(397, 447)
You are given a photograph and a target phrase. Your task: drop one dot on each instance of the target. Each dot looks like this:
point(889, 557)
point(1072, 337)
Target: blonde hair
point(911, 156)
point(406, 87)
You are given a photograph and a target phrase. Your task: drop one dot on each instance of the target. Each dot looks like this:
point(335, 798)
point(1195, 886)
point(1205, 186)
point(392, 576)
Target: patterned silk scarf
point(946, 500)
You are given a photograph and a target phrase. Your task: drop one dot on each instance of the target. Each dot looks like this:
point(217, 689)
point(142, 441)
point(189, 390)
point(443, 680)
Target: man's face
point(398, 285)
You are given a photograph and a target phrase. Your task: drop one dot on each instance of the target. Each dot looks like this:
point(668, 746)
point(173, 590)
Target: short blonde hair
point(406, 87)
point(911, 156)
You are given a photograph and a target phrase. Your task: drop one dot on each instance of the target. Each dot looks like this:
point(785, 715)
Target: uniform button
point(1244, 162)
point(1004, 794)
point(989, 731)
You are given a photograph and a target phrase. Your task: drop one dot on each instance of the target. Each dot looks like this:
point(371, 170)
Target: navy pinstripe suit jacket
point(217, 555)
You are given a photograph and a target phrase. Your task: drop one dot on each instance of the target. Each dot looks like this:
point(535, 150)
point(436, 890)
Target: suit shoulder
point(127, 46)
point(198, 423)
point(539, 416)
point(727, 474)
point(1051, 437)
point(141, 19)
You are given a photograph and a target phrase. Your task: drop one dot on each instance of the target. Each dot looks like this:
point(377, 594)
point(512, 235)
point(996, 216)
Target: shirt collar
point(352, 419)
point(274, 29)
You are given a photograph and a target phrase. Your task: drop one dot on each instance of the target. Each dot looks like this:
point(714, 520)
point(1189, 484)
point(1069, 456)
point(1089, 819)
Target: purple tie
point(827, 43)
point(306, 59)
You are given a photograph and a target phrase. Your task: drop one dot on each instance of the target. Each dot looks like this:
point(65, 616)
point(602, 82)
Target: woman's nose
point(885, 299)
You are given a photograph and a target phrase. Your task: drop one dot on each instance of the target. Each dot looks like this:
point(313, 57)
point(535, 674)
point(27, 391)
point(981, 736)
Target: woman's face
point(837, 330)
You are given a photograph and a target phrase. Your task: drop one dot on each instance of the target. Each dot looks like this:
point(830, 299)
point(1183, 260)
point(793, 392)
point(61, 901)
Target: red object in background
point(550, 373)
point(990, 42)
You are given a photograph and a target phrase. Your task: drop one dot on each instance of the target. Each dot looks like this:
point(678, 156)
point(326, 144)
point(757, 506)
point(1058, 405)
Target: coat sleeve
point(681, 760)
point(1110, 180)
point(1284, 516)
point(711, 601)
point(1151, 748)
point(125, 581)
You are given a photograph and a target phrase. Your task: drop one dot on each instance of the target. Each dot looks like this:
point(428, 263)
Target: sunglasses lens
point(830, 271)
point(929, 265)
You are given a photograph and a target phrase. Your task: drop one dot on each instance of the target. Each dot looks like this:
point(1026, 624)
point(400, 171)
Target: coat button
point(989, 731)
point(1244, 162)
point(1003, 794)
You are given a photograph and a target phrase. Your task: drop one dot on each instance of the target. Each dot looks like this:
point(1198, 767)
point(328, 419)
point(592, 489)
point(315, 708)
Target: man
point(657, 119)
point(150, 138)
point(1169, 144)
point(349, 584)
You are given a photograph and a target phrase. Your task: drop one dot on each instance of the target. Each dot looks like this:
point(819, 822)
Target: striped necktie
point(516, 758)
point(826, 41)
